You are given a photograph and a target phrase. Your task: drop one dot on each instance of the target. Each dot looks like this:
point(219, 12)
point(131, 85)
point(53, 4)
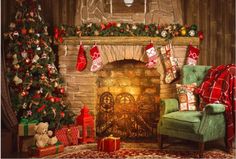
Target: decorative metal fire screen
point(125, 117)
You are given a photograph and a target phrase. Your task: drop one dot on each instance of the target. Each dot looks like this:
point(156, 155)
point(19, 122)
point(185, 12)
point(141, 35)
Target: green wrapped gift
point(26, 127)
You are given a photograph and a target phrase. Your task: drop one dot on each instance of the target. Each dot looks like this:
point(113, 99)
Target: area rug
point(89, 151)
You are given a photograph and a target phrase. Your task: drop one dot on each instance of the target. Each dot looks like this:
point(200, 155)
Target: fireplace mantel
point(125, 40)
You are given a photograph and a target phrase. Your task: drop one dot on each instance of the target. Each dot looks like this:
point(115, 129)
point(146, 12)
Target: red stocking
point(81, 59)
point(193, 55)
point(96, 57)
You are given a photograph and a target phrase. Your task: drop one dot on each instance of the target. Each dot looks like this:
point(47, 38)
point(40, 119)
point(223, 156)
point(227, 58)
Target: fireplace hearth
point(128, 94)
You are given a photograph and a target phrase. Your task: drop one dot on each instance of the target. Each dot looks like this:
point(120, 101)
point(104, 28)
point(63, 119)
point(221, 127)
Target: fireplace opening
point(128, 95)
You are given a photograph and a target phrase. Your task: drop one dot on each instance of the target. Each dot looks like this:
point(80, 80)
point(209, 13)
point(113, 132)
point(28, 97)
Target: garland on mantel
point(125, 29)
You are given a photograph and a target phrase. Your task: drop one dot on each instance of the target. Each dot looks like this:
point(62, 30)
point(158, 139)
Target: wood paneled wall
point(216, 18)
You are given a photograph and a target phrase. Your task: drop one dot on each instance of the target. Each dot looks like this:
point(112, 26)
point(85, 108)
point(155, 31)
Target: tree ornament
point(54, 112)
point(12, 26)
point(81, 59)
point(44, 56)
point(152, 56)
point(24, 93)
point(35, 58)
point(192, 55)
point(62, 114)
point(191, 33)
point(31, 31)
point(96, 57)
point(43, 77)
point(134, 27)
point(164, 33)
point(56, 84)
point(29, 113)
point(62, 90)
point(24, 106)
point(41, 108)
point(24, 54)
point(27, 61)
point(31, 14)
point(17, 66)
point(23, 31)
point(52, 99)
point(17, 80)
point(38, 48)
point(15, 33)
point(15, 60)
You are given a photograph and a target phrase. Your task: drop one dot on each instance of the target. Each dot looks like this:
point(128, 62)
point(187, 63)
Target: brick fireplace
point(125, 82)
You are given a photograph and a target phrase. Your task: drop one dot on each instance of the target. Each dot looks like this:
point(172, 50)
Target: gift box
point(108, 144)
point(26, 127)
point(68, 135)
point(25, 143)
point(45, 151)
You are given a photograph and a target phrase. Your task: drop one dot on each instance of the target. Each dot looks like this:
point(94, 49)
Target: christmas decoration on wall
point(152, 56)
point(125, 29)
point(170, 63)
point(96, 57)
point(36, 86)
point(192, 55)
point(81, 59)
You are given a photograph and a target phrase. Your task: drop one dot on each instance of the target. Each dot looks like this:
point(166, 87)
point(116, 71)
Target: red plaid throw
point(219, 85)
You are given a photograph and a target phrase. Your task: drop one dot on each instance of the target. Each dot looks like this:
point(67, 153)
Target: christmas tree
point(35, 84)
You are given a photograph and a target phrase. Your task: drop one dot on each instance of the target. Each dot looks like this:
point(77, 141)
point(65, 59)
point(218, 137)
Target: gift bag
point(68, 135)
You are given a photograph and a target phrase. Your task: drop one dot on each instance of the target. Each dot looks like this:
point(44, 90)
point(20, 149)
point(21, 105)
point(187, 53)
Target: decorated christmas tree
point(35, 84)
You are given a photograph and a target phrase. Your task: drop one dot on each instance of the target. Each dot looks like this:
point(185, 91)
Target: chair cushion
point(188, 121)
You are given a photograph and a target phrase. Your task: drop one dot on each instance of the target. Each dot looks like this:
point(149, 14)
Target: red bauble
point(52, 99)
point(56, 99)
point(62, 114)
point(62, 90)
point(24, 93)
point(27, 61)
point(23, 31)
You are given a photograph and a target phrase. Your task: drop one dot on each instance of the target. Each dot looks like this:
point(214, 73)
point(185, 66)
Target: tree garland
point(126, 29)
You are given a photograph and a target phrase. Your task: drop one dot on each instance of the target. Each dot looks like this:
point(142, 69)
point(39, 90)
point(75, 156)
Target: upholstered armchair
point(199, 126)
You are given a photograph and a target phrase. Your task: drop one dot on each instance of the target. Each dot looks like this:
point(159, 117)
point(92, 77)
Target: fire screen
point(126, 117)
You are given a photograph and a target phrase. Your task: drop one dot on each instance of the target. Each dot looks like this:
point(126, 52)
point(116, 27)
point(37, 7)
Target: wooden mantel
point(126, 40)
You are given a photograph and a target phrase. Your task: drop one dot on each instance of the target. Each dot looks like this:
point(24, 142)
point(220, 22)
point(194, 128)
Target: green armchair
point(199, 126)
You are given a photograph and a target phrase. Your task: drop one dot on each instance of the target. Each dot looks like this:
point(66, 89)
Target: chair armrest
point(168, 106)
point(214, 108)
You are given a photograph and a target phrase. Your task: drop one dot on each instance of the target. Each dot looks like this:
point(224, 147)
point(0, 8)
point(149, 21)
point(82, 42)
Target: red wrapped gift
point(109, 144)
point(45, 151)
point(68, 135)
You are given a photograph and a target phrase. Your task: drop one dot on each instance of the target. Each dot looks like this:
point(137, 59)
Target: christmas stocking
point(81, 59)
point(152, 56)
point(97, 60)
point(170, 63)
point(193, 54)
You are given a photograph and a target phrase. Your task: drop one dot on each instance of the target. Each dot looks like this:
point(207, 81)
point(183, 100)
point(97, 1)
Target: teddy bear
point(43, 135)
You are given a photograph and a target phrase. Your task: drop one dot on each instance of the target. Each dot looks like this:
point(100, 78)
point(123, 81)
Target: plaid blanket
point(219, 86)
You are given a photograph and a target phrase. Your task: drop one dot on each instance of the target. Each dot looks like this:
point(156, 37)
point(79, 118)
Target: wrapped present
point(109, 144)
point(26, 142)
point(68, 135)
point(45, 151)
point(26, 127)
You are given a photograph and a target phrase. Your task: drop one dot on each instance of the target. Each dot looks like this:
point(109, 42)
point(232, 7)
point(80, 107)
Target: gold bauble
point(183, 32)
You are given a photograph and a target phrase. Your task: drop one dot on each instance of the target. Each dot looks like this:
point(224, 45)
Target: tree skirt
point(89, 151)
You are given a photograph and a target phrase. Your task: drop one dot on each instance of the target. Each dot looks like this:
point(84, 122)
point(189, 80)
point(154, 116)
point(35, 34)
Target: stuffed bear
point(43, 135)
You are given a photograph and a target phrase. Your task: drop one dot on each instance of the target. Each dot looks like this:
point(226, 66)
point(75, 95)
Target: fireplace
point(128, 100)
point(125, 94)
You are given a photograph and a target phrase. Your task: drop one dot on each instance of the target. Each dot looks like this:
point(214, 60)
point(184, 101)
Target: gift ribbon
point(57, 147)
point(26, 123)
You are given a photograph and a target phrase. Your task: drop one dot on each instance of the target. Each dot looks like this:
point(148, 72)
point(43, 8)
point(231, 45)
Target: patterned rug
point(138, 151)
